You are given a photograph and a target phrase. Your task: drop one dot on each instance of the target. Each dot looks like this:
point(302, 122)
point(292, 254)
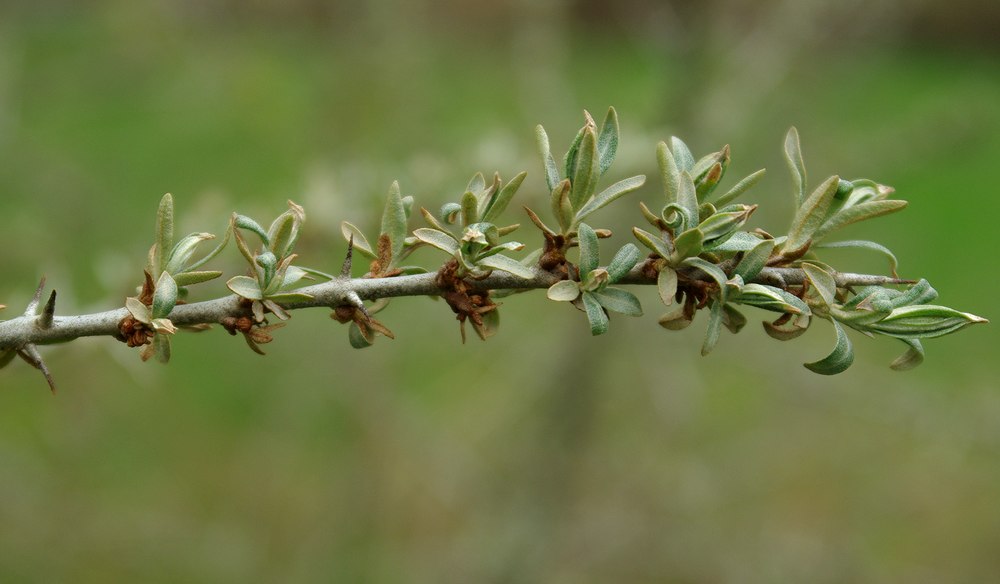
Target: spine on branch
point(697, 253)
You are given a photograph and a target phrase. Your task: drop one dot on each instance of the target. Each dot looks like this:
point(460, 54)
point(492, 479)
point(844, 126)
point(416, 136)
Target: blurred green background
point(543, 455)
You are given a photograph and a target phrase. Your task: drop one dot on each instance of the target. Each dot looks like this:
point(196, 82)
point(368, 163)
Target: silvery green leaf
point(268, 263)
point(280, 233)
point(244, 222)
point(506, 264)
point(924, 321)
point(754, 260)
point(626, 259)
point(839, 359)
point(793, 154)
point(594, 280)
point(706, 184)
point(357, 338)
point(164, 296)
point(192, 278)
point(552, 177)
point(439, 239)
point(563, 291)
point(723, 223)
point(589, 257)
point(450, 213)
point(245, 287)
point(584, 180)
point(161, 348)
point(913, 356)
point(687, 245)
point(682, 154)
point(507, 246)
point(618, 300)
point(771, 298)
point(822, 282)
point(291, 275)
point(676, 218)
point(361, 245)
point(740, 188)
point(669, 173)
point(595, 314)
point(477, 184)
point(275, 308)
point(433, 221)
point(666, 285)
point(687, 198)
point(714, 271)
point(733, 319)
point(138, 310)
point(499, 202)
point(607, 140)
point(572, 153)
point(654, 243)
point(610, 194)
point(394, 219)
point(182, 252)
point(920, 293)
point(714, 328)
point(738, 241)
point(810, 216)
point(470, 208)
point(164, 232)
point(858, 213)
point(862, 244)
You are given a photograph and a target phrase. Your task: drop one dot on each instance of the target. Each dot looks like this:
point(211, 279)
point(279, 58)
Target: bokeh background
point(543, 455)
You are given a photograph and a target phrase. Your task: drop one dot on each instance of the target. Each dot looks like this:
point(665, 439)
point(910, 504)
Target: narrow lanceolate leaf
point(687, 245)
point(394, 219)
point(740, 188)
point(861, 212)
point(754, 260)
point(282, 233)
point(618, 300)
point(654, 243)
point(439, 239)
point(626, 259)
point(165, 296)
point(913, 356)
point(164, 232)
point(241, 243)
point(610, 194)
point(687, 198)
point(245, 286)
point(586, 170)
point(589, 255)
point(563, 291)
point(714, 271)
point(562, 208)
point(682, 154)
point(771, 298)
point(822, 281)
point(361, 245)
point(666, 285)
point(244, 222)
point(506, 264)
point(607, 140)
point(714, 328)
point(733, 319)
point(595, 314)
point(192, 278)
point(470, 208)
point(669, 174)
point(552, 177)
point(793, 154)
point(839, 359)
point(501, 200)
point(924, 321)
point(182, 252)
point(869, 245)
point(810, 216)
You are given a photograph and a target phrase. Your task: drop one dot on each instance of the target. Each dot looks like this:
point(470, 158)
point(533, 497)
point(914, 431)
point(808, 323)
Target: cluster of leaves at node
point(699, 255)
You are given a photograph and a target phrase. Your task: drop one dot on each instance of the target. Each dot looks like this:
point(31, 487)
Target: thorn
point(345, 270)
point(44, 320)
point(32, 309)
point(31, 355)
point(354, 300)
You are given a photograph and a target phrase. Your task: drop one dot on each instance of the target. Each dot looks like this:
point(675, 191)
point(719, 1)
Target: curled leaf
point(839, 359)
